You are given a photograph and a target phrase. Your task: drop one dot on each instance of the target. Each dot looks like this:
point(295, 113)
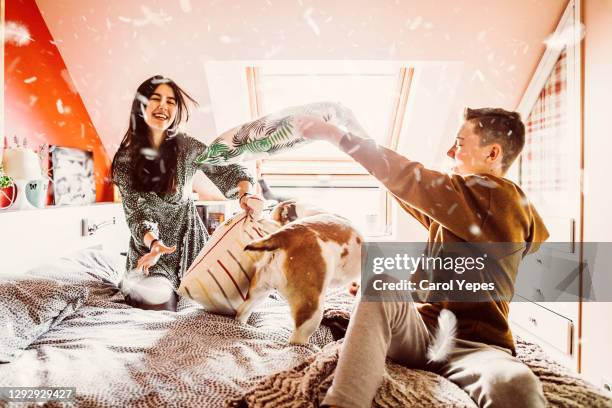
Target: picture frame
point(72, 176)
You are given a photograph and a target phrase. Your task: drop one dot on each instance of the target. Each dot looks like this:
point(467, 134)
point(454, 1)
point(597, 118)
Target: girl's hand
point(148, 260)
point(244, 202)
point(244, 188)
point(314, 128)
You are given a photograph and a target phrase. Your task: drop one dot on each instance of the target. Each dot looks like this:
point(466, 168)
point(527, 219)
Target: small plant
point(5, 181)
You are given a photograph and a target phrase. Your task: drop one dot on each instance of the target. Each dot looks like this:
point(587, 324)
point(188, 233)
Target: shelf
point(58, 207)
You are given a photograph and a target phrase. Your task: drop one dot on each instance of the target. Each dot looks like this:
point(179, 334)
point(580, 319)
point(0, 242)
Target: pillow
point(31, 307)
point(89, 265)
point(274, 133)
point(220, 275)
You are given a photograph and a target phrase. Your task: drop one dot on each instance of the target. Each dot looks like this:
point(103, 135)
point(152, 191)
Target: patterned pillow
point(220, 275)
point(31, 307)
point(274, 133)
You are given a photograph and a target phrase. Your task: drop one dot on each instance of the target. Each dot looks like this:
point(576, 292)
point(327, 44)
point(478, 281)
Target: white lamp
point(23, 166)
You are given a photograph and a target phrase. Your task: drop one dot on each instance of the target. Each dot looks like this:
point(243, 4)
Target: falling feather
point(141, 289)
point(444, 339)
point(311, 22)
point(16, 34)
point(185, 5)
point(475, 230)
point(479, 75)
point(414, 24)
point(566, 37)
point(60, 106)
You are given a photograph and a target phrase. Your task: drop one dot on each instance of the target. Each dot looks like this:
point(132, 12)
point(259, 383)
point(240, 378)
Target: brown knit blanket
point(305, 384)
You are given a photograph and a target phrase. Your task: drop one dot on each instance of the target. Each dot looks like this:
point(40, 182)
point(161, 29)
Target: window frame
point(404, 82)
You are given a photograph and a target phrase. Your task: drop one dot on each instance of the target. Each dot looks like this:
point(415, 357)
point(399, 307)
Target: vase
point(36, 192)
point(21, 201)
point(7, 197)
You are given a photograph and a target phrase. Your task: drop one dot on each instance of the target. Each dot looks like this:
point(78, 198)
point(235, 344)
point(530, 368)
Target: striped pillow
point(220, 275)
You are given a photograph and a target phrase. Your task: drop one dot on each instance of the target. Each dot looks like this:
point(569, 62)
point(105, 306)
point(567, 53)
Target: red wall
point(31, 109)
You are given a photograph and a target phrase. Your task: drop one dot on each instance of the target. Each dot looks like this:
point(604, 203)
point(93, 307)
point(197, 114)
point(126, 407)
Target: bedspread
point(118, 356)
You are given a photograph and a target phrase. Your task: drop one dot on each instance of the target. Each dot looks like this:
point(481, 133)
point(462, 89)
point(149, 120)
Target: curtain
point(544, 165)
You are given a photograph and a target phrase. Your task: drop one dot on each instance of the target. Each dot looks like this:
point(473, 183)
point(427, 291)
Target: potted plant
point(7, 189)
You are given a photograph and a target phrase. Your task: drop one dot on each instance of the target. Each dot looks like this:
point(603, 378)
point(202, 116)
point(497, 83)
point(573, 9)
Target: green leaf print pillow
point(274, 133)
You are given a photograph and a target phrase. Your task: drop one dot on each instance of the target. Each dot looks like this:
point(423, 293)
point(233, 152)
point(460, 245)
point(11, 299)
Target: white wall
point(110, 47)
point(28, 238)
point(597, 321)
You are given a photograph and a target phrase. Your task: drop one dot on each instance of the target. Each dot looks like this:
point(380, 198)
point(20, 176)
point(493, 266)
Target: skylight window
point(375, 91)
point(318, 172)
point(369, 96)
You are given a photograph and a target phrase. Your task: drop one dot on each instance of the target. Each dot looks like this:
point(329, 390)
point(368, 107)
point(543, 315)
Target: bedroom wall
point(41, 102)
point(597, 326)
point(111, 47)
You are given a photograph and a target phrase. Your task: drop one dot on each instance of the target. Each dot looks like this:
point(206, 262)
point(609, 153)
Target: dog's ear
point(289, 213)
point(285, 212)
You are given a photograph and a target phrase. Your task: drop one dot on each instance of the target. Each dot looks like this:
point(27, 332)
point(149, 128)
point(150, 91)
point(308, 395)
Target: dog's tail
point(271, 242)
point(444, 339)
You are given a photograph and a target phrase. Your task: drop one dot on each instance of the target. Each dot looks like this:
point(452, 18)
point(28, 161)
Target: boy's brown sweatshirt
point(475, 208)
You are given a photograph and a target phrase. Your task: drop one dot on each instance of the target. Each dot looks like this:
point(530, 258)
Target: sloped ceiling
point(110, 47)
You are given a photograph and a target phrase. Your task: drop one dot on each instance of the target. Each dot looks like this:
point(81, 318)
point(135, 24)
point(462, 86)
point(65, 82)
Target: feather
point(444, 339)
point(147, 290)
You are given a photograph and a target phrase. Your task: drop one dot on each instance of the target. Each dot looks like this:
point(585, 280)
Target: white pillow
point(220, 275)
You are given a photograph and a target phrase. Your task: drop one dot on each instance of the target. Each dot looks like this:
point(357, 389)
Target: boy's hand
point(314, 128)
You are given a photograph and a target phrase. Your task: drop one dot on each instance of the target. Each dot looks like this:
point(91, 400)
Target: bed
point(78, 332)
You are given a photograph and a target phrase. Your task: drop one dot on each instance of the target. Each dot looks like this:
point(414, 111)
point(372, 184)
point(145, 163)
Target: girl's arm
point(139, 215)
point(232, 180)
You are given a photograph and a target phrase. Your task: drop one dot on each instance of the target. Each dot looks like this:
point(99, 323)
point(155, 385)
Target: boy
point(476, 204)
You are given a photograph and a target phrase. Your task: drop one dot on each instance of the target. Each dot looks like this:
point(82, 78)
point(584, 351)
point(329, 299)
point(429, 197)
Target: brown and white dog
point(312, 251)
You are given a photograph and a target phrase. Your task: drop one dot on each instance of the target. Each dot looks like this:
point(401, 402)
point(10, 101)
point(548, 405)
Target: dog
point(313, 250)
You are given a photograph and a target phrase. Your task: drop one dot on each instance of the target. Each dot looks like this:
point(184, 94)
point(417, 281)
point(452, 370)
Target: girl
point(153, 170)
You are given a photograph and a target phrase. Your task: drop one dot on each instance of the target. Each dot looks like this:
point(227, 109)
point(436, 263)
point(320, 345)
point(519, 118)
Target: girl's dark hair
point(151, 170)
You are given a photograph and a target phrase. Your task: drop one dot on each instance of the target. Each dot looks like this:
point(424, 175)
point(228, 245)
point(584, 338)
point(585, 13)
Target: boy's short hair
point(495, 125)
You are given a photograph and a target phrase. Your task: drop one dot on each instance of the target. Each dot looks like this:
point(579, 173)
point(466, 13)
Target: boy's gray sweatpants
point(490, 375)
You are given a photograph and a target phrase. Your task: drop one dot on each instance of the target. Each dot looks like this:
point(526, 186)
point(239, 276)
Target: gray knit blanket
point(69, 326)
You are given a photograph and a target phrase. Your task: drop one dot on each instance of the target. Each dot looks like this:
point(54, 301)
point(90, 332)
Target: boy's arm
point(459, 204)
point(419, 216)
